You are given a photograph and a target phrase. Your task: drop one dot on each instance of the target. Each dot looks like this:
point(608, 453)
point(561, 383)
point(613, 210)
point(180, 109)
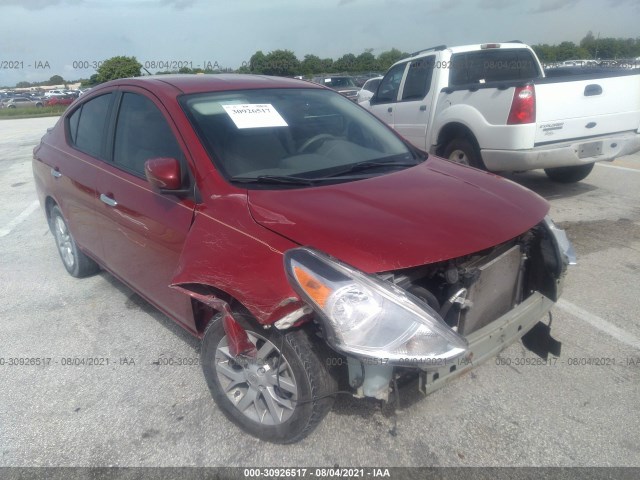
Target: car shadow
point(537, 181)
point(134, 301)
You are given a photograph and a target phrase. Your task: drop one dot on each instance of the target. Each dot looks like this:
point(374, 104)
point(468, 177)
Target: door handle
point(108, 200)
point(593, 89)
point(390, 109)
point(55, 173)
point(423, 108)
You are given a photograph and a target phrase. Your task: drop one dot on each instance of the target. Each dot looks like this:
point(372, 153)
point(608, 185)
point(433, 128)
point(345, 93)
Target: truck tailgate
point(572, 108)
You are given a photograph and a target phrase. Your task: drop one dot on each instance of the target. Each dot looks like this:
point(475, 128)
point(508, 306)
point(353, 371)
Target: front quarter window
point(292, 137)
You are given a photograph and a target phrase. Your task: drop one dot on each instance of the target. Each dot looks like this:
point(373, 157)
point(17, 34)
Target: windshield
point(293, 136)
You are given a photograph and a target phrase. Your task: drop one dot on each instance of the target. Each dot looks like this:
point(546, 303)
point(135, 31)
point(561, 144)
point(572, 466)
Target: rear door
point(411, 113)
point(143, 232)
point(74, 169)
point(384, 101)
point(573, 108)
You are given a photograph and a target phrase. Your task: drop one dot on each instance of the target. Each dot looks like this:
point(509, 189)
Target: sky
point(42, 38)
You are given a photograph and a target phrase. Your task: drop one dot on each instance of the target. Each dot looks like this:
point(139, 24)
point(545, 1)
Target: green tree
point(256, 62)
point(346, 63)
point(56, 80)
point(388, 58)
point(366, 62)
point(92, 81)
point(327, 65)
point(23, 85)
point(566, 51)
point(311, 64)
point(118, 67)
point(282, 63)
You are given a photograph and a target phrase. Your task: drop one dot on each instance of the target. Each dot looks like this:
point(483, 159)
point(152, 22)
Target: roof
point(462, 49)
point(200, 83)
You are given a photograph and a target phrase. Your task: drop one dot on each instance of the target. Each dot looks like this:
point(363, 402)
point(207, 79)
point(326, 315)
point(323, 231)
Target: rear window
point(492, 66)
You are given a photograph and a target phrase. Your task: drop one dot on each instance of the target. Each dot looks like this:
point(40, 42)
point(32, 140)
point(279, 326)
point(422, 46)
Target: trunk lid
point(587, 107)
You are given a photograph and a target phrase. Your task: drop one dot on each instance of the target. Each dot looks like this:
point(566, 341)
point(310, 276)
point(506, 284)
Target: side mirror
point(164, 175)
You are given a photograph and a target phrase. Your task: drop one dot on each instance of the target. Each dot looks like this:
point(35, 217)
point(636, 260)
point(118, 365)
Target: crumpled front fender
point(243, 260)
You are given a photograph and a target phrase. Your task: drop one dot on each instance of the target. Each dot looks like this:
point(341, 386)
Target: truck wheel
point(281, 396)
point(461, 150)
point(569, 174)
point(74, 260)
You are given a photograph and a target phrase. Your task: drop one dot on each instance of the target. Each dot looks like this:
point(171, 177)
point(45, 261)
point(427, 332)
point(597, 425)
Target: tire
point(38, 105)
point(569, 174)
point(241, 391)
point(461, 150)
point(74, 260)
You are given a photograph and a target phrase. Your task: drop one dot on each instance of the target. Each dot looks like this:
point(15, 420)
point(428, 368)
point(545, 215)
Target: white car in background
point(368, 89)
point(53, 93)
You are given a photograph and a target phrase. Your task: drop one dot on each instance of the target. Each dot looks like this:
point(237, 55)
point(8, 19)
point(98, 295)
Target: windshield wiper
point(274, 179)
point(371, 164)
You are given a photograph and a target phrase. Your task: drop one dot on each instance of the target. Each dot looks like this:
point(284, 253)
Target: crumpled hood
point(432, 212)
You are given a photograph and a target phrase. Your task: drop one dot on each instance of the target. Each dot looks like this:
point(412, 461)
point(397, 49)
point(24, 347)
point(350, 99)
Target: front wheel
point(280, 396)
point(461, 150)
point(569, 174)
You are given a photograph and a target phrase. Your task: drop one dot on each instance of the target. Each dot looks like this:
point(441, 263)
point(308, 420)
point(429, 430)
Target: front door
point(143, 232)
point(411, 115)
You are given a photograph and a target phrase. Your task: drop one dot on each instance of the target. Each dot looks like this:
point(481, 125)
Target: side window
point(90, 131)
point(418, 81)
point(73, 125)
point(142, 133)
point(388, 90)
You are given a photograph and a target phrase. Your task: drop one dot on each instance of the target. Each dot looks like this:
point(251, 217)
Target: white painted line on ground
point(600, 323)
point(19, 219)
point(626, 169)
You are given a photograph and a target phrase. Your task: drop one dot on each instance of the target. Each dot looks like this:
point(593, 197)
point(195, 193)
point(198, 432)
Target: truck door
point(412, 112)
point(384, 101)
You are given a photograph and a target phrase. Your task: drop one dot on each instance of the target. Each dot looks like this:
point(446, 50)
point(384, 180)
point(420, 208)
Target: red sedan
point(59, 100)
point(309, 246)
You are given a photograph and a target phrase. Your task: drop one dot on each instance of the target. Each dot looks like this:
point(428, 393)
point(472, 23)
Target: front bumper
point(488, 341)
point(564, 154)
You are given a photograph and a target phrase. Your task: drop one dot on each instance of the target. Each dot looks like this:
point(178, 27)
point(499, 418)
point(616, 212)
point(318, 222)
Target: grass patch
point(32, 112)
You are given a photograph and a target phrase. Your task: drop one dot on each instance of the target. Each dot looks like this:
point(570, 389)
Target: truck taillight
point(523, 107)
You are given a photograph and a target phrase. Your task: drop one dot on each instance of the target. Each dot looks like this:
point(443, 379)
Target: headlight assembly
point(364, 316)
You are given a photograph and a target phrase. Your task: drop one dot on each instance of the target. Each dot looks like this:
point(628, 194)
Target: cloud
point(498, 4)
point(42, 4)
point(345, 2)
point(178, 4)
point(552, 5)
point(37, 4)
point(444, 5)
point(623, 3)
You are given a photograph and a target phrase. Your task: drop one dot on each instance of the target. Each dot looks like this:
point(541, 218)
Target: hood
point(428, 213)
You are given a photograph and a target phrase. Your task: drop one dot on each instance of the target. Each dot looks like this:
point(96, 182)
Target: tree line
point(285, 63)
point(589, 48)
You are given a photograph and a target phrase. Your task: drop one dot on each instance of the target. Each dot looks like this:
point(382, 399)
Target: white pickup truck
point(491, 106)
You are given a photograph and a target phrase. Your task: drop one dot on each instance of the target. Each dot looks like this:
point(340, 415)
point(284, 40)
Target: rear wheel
point(461, 150)
point(569, 174)
point(77, 263)
point(281, 396)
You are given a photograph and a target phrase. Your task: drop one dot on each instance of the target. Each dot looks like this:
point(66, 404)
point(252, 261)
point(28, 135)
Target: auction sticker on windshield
point(255, 115)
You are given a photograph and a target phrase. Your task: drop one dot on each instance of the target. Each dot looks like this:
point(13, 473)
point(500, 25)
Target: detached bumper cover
point(488, 341)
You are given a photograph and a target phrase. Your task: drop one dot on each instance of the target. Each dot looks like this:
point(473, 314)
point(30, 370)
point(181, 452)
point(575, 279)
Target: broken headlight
point(364, 316)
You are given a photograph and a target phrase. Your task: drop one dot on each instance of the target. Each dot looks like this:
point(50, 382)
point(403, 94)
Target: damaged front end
point(440, 319)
